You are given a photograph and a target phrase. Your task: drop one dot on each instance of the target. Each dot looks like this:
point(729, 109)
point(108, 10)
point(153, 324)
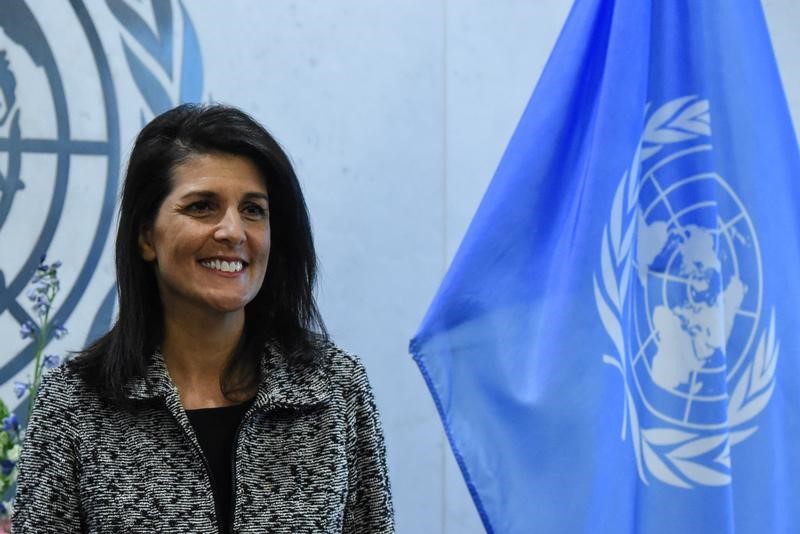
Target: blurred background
point(395, 115)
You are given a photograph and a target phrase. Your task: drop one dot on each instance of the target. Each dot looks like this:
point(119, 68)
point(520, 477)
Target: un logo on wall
point(60, 131)
point(680, 294)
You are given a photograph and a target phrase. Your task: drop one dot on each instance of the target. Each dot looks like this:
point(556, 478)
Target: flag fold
point(612, 348)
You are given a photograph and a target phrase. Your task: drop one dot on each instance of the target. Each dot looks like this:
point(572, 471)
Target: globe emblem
point(697, 291)
point(59, 157)
point(679, 293)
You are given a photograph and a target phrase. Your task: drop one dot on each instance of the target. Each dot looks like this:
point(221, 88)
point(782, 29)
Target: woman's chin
point(230, 309)
point(227, 305)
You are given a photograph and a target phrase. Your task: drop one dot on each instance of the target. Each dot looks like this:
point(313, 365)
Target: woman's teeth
point(224, 266)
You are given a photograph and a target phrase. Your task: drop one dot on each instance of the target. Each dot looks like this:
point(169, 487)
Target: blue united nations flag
point(614, 346)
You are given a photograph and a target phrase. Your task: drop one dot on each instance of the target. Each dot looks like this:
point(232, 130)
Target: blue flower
point(60, 331)
point(11, 423)
point(56, 264)
point(27, 329)
point(20, 388)
point(42, 306)
point(32, 294)
point(51, 360)
point(7, 466)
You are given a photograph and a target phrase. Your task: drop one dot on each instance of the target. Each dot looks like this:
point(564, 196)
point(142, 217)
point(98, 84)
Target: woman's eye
point(255, 211)
point(199, 208)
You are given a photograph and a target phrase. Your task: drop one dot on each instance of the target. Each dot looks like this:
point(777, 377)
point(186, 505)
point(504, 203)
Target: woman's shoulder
point(59, 403)
point(325, 366)
point(334, 357)
point(337, 361)
point(345, 370)
point(64, 385)
point(59, 381)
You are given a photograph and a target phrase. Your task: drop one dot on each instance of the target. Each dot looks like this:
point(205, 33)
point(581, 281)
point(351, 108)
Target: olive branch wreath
point(162, 81)
point(673, 456)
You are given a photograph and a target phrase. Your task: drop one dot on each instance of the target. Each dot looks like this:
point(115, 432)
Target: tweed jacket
point(309, 457)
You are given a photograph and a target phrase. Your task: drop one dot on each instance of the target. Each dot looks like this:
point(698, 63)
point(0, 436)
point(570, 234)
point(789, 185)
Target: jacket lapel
point(283, 385)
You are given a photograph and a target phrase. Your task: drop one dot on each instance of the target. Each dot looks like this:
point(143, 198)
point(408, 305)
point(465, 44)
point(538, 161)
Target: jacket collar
point(283, 385)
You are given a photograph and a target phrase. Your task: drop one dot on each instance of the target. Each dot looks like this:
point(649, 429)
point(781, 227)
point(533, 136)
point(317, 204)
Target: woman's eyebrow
point(199, 193)
point(256, 195)
point(204, 194)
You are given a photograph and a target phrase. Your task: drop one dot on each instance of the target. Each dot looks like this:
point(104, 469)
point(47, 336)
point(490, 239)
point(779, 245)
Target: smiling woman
point(216, 403)
point(210, 240)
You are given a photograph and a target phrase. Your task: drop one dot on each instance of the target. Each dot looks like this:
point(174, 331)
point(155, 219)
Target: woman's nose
point(230, 227)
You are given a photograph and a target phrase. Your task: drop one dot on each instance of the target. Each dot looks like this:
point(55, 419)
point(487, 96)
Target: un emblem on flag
point(680, 294)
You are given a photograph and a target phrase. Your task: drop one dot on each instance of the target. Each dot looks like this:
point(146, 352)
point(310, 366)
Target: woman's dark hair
point(283, 312)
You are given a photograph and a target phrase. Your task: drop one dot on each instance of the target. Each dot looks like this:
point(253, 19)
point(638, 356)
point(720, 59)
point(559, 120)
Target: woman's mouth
point(234, 266)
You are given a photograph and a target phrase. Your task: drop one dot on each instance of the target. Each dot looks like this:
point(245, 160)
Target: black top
point(216, 429)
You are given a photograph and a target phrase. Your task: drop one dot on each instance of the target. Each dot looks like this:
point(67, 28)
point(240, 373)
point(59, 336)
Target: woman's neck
point(196, 350)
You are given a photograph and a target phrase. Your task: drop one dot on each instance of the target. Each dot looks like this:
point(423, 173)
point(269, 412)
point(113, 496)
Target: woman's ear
point(145, 246)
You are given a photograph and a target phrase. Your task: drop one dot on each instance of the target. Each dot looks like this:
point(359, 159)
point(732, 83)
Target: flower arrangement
point(42, 293)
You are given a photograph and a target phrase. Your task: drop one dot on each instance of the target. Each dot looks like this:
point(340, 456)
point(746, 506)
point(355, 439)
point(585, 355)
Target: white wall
point(395, 114)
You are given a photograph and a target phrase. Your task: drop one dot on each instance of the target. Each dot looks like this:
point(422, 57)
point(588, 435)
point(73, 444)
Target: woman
point(215, 403)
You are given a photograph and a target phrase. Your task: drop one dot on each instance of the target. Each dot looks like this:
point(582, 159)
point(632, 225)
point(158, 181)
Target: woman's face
point(211, 237)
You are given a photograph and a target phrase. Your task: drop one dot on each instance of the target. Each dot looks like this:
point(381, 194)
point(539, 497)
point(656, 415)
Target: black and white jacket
point(309, 457)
